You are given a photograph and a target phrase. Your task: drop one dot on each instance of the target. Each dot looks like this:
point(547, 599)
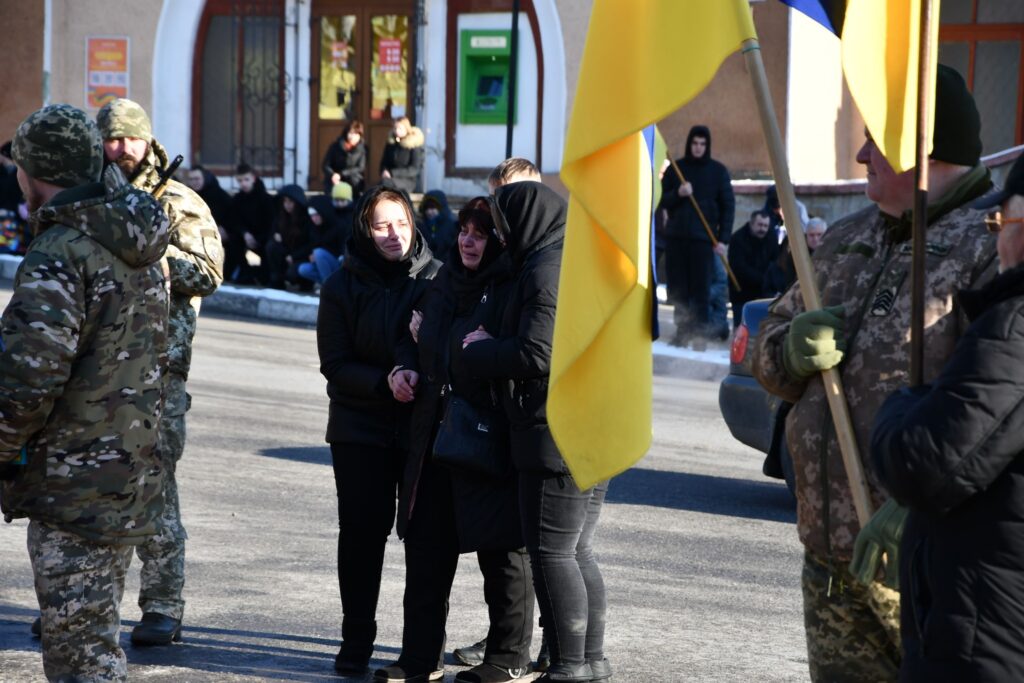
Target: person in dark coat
point(15, 234)
point(688, 250)
point(206, 185)
point(326, 240)
point(444, 512)
point(365, 308)
point(781, 273)
point(438, 224)
point(953, 453)
point(752, 250)
point(290, 242)
point(345, 160)
point(253, 215)
point(567, 580)
point(402, 160)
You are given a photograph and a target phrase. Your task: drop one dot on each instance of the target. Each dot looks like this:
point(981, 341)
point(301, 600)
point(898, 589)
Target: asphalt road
point(698, 549)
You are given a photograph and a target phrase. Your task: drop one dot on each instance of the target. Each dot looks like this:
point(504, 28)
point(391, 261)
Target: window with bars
point(239, 86)
point(983, 40)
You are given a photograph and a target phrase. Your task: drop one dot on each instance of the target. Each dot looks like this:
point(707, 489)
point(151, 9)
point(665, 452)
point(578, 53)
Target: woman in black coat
point(402, 160)
point(567, 580)
point(364, 310)
point(953, 452)
point(444, 512)
point(289, 243)
point(345, 160)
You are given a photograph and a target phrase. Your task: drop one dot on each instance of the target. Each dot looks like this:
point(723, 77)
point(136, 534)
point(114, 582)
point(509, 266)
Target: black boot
point(600, 669)
point(156, 629)
point(566, 673)
point(471, 655)
point(356, 647)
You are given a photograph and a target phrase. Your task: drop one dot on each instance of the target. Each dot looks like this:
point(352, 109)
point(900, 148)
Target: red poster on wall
point(106, 70)
point(389, 51)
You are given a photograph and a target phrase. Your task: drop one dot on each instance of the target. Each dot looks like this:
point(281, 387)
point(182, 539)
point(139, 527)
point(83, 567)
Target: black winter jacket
point(954, 453)
point(712, 188)
point(749, 258)
point(403, 159)
point(486, 510)
point(365, 308)
point(349, 164)
point(253, 212)
point(533, 218)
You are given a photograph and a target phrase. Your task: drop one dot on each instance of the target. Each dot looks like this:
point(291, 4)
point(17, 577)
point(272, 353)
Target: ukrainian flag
point(641, 62)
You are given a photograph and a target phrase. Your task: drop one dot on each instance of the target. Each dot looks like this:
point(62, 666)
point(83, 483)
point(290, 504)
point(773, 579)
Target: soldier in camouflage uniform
point(81, 374)
point(863, 273)
point(195, 260)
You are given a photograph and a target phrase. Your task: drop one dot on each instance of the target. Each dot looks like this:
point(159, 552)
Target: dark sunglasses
point(995, 222)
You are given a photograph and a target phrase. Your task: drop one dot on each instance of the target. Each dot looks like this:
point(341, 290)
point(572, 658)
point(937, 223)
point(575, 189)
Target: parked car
point(755, 417)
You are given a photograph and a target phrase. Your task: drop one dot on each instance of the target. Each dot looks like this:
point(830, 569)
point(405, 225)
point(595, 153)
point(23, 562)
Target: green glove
point(880, 535)
point(815, 342)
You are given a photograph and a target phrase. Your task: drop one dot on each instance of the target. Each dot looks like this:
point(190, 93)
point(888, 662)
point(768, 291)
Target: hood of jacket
point(362, 256)
point(126, 221)
point(695, 132)
point(530, 215)
point(413, 139)
point(1006, 285)
point(323, 205)
point(294, 193)
point(436, 198)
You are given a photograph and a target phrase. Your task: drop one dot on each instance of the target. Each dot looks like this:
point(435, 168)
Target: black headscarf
point(530, 215)
point(362, 246)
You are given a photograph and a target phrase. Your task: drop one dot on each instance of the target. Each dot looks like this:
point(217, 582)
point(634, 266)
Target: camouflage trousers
point(79, 585)
point(853, 631)
point(162, 577)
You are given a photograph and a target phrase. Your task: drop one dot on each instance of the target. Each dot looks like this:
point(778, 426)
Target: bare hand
point(479, 334)
point(720, 249)
point(685, 190)
point(414, 325)
point(385, 173)
point(403, 384)
point(335, 178)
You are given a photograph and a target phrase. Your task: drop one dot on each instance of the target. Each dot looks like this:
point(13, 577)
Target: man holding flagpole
point(851, 610)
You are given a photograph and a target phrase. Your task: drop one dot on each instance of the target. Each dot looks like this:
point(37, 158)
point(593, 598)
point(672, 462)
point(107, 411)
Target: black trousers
point(690, 268)
point(431, 559)
point(367, 481)
point(559, 522)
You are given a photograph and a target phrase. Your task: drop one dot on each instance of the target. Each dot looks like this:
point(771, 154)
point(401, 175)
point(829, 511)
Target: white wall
point(814, 100)
point(172, 75)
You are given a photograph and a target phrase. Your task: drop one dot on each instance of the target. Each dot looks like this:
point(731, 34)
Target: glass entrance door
point(360, 72)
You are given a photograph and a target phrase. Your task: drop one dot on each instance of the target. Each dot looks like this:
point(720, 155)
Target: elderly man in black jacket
point(953, 453)
point(688, 252)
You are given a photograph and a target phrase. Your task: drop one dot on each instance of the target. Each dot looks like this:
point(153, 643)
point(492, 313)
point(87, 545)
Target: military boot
point(156, 629)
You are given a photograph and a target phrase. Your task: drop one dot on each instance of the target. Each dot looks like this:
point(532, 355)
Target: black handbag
point(472, 439)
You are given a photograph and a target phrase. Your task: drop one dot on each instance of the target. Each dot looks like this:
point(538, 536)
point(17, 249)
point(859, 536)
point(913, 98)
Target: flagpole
point(805, 274)
point(925, 79)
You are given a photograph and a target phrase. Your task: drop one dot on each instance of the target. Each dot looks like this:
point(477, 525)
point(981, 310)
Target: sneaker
point(490, 673)
point(398, 673)
point(471, 655)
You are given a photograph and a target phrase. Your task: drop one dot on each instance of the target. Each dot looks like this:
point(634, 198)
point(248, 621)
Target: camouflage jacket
point(195, 255)
point(81, 377)
point(864, 265)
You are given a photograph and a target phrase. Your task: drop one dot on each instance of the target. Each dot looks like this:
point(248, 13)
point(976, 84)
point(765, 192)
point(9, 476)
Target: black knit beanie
point(957, 136)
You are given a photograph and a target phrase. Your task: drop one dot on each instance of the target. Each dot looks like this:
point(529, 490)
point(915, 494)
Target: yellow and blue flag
point(599, 400)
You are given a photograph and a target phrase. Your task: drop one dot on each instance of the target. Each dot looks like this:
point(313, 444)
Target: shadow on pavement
point(237, 652)
point(318, 455)
point(765, 500)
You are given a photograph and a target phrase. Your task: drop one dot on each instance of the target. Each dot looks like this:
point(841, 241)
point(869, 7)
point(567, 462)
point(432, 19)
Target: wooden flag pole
point(704, 222)
point(925, 82)
point(805, 273)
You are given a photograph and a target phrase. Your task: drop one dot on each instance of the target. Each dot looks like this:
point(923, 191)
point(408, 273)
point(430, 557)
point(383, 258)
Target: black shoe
point(156, 629)
point(489, 673)
point(544, 656)
point(471, 655)
point(357, 637)
point(600, 669)
point(350, 665)
point(37, 628)
point(566, 673)
point(399, 673)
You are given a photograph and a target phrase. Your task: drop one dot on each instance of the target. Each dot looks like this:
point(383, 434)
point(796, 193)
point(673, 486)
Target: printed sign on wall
point(106, 75)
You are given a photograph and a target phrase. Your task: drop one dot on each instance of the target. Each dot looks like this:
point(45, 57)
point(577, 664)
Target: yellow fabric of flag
point(642, 61)
point(881, 49)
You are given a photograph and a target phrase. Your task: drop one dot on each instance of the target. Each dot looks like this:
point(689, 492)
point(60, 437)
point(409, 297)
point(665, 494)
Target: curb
point(271, 305)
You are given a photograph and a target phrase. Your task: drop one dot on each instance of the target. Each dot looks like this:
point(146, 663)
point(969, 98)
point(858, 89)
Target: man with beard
point(195, 259)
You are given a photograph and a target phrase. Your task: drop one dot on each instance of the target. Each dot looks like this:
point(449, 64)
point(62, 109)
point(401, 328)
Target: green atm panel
point(484, 71)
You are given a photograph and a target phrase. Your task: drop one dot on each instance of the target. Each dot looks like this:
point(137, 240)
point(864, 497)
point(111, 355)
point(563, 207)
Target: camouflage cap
point(123, 118)
point(59, 144)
